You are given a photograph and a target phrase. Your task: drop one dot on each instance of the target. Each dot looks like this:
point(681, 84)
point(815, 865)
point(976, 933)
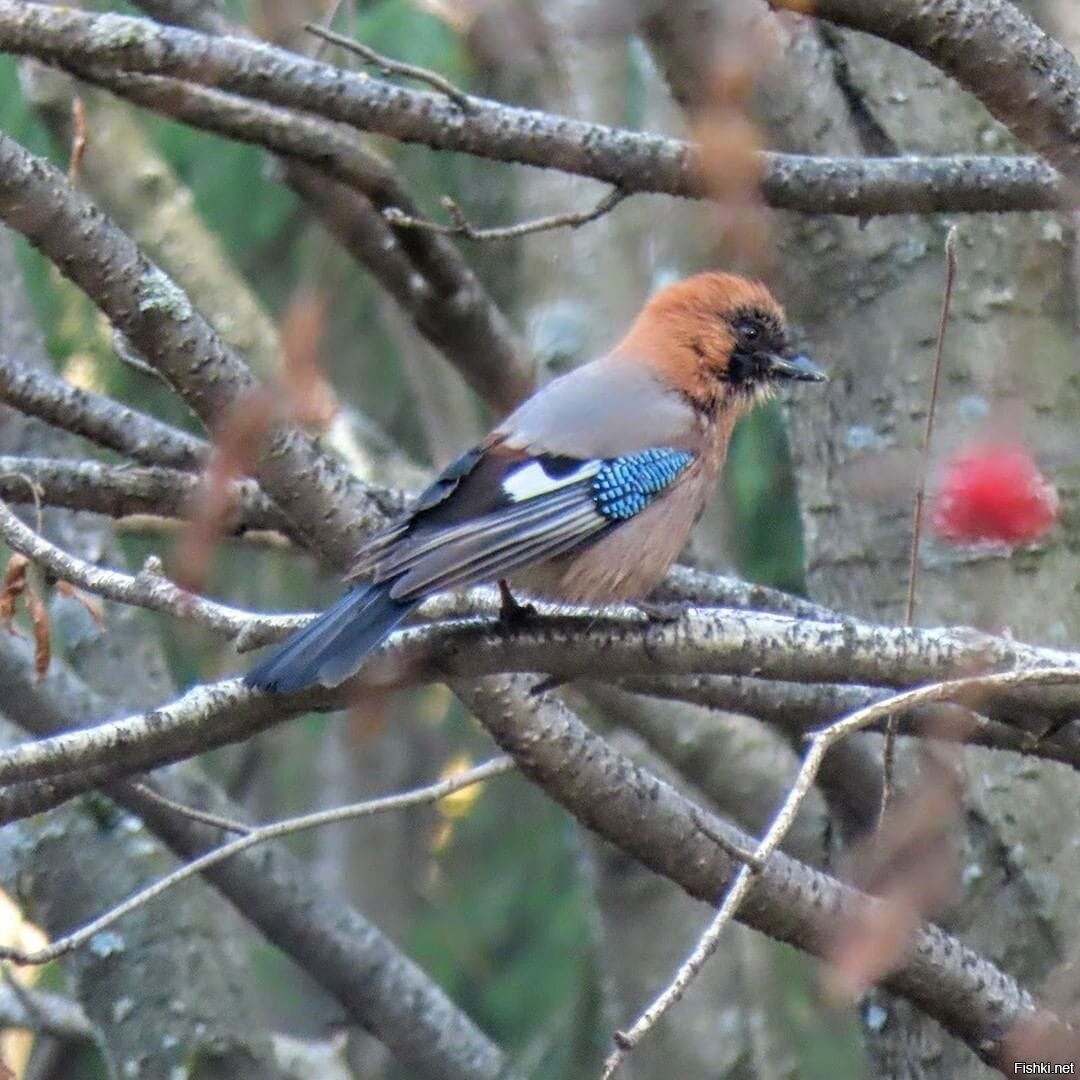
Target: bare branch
point(684, 583)
point(744, 880)
point(328, 505)
point(634, 161)
point(118, 491)
point(37, 392)
point(888, 759)
point(795, 709)
point(462, 226)
point(653, 823)
point(42, 1012)
point(192, 812)
point(387, 66)
point(1029, 81)
point(928, 431)
point(419, 797)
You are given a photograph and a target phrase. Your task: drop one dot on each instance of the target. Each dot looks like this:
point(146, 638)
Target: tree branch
point(452, 309)
point(795, 709)
point(94, 45)
point(1028, 81)
point(388, 66)
point(461, 226)
point(326, 503)
point(37, 392)
point(379, 987)
point(569, 646)
point(251, 838)
point(653, 823)
point(120, 491)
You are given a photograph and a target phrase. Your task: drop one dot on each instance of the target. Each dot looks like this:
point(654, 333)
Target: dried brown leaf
point(93, 605)
point(910, 867)
point(730, 145)
point(311, 400)
point(1038, 1038)
point(366, 719)
point(39, 622)
point(14, 585)
point(236, 450)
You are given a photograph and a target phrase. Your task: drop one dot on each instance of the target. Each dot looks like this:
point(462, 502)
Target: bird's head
point(719, 339)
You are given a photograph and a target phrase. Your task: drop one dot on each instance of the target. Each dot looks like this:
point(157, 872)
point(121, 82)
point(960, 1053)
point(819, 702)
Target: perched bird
point(586, 493)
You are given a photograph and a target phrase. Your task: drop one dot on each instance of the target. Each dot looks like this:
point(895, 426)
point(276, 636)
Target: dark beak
point(798, 367)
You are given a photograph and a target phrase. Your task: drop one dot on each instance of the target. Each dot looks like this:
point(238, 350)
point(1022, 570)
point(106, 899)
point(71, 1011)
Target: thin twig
point(893, 723)
point(462, 227)
point(36, 494)
point(218, 822)
point(928, 432)
point(418, 797)
point(388, 66)
point(149, 589)
point(820, 743)
point(126, 352)
point(328, 20)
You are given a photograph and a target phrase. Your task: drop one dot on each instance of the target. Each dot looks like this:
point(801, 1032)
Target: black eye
point(749, 332)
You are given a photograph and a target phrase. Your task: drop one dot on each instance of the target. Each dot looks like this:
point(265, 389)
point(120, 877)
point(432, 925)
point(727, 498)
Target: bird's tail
point(330, 649)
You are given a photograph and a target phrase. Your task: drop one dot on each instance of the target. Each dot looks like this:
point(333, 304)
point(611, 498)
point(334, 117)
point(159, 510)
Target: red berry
point(994, 493)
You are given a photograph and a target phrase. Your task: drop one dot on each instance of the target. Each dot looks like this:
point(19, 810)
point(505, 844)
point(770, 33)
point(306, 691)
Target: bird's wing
point(506, 509)
point(609, 407)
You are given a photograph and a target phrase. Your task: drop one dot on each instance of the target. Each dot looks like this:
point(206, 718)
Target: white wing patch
point(531, 481)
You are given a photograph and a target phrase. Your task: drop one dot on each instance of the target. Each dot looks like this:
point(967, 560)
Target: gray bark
point(156, 1004)
point(869, 300)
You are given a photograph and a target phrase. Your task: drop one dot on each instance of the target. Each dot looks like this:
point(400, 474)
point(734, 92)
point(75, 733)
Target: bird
point(585, 494)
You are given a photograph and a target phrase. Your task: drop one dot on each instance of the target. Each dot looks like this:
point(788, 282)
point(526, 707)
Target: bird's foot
point(670, 611)
point(512, 613)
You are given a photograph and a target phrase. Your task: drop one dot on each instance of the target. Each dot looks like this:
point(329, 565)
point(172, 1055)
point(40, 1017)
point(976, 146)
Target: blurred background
point(546, 937)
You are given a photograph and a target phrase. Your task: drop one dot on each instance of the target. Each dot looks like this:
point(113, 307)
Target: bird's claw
point(512, 612)
point(667, 612)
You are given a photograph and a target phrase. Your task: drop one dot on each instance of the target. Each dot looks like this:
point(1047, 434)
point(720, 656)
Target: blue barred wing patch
point(625, 485)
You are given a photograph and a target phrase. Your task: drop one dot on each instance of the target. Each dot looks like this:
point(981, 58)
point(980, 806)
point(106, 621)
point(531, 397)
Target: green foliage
point(766, 535)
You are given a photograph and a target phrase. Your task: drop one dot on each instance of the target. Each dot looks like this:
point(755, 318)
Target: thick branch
point(118, 491)
point(328, 505)
point(37, 392)
point(1029, 81)
point(379, 987)
point(632, 161)
point(43, 1013)
point(655, 824)
point(730, 642)
point(796, 709)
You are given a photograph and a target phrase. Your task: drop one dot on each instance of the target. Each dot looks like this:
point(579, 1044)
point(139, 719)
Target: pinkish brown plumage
point(587, 492)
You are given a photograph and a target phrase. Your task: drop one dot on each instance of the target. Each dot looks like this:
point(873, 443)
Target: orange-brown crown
point(689, 331)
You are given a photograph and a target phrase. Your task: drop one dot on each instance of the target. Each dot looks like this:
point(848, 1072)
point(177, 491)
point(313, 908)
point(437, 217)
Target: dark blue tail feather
point(331, 648)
